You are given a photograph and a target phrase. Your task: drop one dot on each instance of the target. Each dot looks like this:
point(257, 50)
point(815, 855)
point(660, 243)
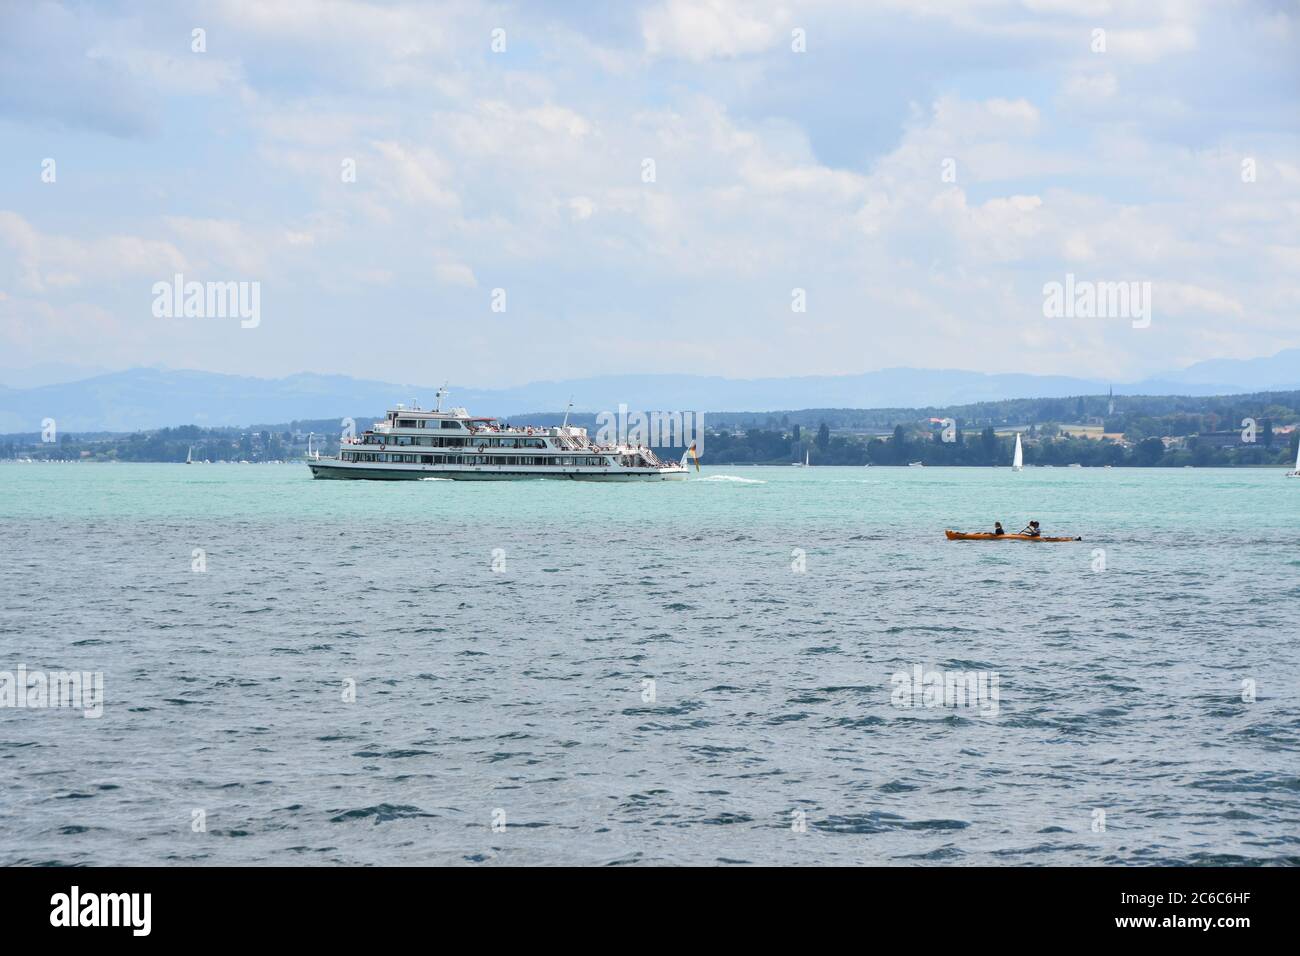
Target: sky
point(500, 193)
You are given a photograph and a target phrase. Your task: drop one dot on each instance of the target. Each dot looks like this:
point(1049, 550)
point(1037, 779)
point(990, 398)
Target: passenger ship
point(414, 443)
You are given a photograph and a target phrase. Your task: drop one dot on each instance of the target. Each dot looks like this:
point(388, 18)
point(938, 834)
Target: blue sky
point(522, 170)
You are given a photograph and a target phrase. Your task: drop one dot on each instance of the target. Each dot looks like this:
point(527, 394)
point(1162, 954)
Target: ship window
point(406, 423)
point(447, 424)
point(426, 459)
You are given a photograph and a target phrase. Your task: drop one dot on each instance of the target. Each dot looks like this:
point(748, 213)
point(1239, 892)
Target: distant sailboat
point(1018, 463)
point(1296, 472)
point(803, 464)
point(189, 456)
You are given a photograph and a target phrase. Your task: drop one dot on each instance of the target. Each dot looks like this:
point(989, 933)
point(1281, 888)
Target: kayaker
point(997, 528)
point(1032, 530)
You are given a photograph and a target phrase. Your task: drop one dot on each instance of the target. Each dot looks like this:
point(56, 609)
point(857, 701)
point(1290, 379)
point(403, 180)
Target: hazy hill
point(152, 398)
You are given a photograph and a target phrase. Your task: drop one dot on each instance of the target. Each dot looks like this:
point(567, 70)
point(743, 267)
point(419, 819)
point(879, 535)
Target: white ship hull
point(412, 444)
point(334, 469)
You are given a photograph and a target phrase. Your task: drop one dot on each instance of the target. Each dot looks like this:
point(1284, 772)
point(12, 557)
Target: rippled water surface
point(520, 695)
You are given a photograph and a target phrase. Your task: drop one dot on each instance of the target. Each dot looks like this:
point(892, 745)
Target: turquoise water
point(771, 608)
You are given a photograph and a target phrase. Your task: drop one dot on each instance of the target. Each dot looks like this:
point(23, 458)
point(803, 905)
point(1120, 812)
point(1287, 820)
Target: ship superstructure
point(414, 443)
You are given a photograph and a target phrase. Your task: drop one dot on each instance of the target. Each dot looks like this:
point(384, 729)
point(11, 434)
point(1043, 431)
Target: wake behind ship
point(412, 443)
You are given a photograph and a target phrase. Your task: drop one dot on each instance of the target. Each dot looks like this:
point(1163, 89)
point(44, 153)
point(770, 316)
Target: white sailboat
point(1295, 473)
point(803, 464)
point(1018, 463)
point(189, 456)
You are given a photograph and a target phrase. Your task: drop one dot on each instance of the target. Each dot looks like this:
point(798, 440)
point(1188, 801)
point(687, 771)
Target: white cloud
point(413, 175)
point(581, 207)
point(1180, 298)
point(47, 262)
point(455, 273)
point(1091, 86)
point(704, 29)
point(774, 170)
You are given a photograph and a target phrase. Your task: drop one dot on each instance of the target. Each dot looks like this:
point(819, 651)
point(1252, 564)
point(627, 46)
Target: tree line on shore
point(1156, 431)
point(984, 448)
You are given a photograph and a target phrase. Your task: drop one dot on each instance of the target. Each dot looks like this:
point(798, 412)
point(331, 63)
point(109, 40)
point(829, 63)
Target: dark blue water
point(1125, 728)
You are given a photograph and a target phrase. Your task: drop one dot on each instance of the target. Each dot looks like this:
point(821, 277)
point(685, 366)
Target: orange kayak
point(988, 536)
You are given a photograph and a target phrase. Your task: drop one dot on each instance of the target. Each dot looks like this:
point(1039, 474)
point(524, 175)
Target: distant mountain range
point(152, 398)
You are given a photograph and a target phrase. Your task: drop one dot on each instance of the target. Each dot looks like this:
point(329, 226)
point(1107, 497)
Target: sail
point(1297, 457)
point(1019, 461)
